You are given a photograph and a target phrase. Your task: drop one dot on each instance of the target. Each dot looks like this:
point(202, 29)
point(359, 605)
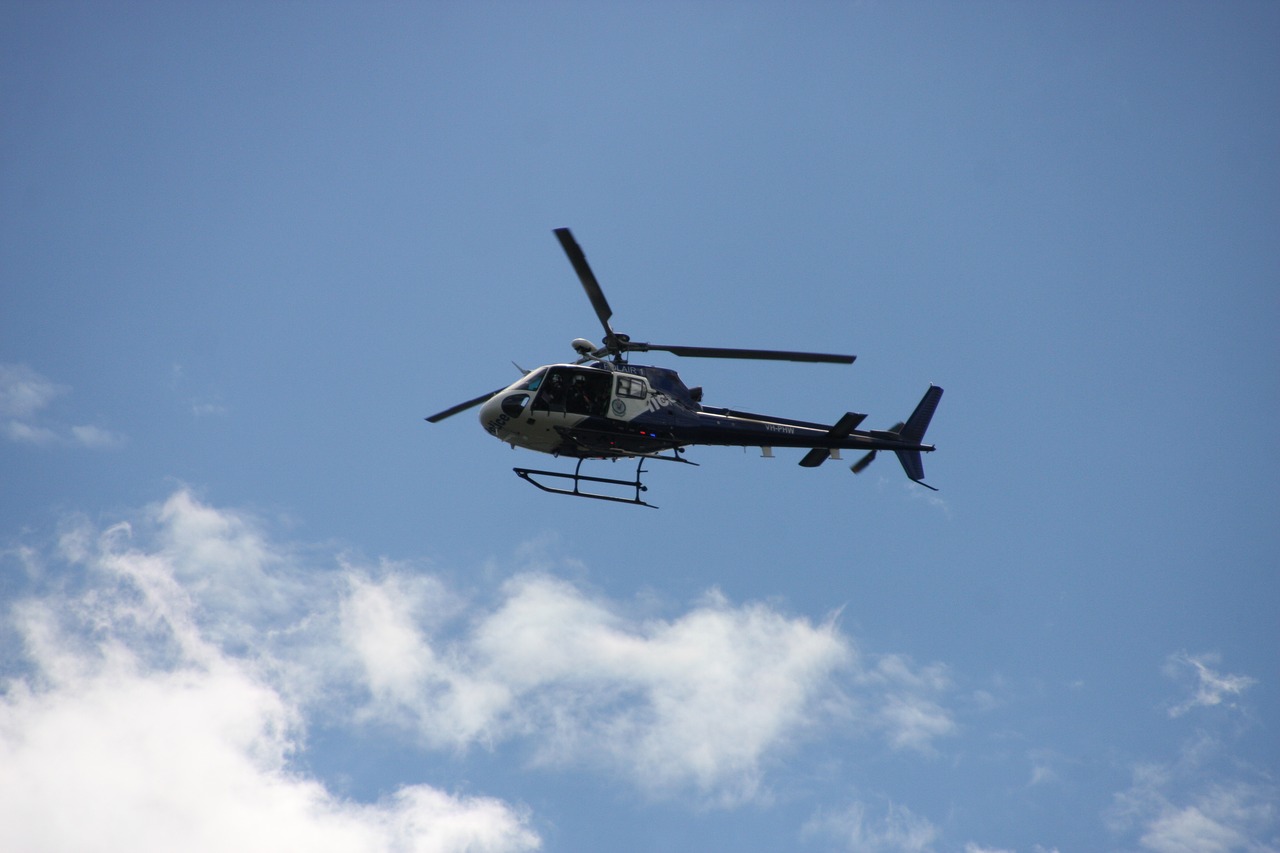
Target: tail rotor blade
point(861, 465)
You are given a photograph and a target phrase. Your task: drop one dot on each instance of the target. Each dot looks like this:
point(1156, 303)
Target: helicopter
point(600, 406)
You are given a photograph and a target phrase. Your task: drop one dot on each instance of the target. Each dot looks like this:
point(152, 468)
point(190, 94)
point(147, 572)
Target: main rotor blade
point(763, 354)
point(587, 277)
point(461, 407)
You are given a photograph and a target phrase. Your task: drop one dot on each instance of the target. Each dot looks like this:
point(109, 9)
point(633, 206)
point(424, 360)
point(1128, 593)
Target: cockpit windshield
point(532, 381)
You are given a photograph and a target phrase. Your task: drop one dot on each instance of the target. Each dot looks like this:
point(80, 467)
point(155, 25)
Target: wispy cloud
point(202, 406)
point(24, 397)
point(1206, 799)
point(908, 709)
point(26, 433)
point(24, 393)
point(933, 499)
point(865, 829)
point(95, 436)
point(1172, 812)
point(1046, 766)
point(1209, 687)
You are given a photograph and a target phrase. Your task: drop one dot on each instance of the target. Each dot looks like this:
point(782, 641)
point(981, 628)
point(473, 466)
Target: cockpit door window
point(574, 391)
point(632, 387)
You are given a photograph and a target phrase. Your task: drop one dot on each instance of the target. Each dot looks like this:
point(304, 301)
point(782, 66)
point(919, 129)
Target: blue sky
point(249, 598)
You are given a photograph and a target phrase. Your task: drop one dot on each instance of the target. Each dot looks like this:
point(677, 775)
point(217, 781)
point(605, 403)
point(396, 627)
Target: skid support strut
point(578, 478)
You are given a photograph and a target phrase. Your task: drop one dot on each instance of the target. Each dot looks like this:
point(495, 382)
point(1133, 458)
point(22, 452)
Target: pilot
point(553, 393)
point(580, 396)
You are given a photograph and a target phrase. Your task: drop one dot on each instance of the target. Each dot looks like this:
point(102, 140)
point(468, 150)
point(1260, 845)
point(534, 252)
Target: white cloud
point(24, 395)
point(188, 652)
point(698, 701)
point(1210, 688)
point(132, 728)
point(119, 756)
point(383, 624)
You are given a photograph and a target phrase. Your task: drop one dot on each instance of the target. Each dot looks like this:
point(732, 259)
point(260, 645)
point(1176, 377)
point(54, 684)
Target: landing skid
point(578, 478)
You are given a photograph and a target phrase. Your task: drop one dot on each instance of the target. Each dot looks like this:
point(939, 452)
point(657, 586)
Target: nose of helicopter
point(491, 417)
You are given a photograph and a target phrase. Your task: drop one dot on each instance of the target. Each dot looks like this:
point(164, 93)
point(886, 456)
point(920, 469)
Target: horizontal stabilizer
point(847, 424)
point(815, 457)
point(818, 455)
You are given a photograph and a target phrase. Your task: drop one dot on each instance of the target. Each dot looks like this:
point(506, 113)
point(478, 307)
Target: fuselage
point(611, 410)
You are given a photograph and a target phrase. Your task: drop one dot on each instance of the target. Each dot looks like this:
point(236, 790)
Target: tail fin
point(913, 429)
point(913, 432)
